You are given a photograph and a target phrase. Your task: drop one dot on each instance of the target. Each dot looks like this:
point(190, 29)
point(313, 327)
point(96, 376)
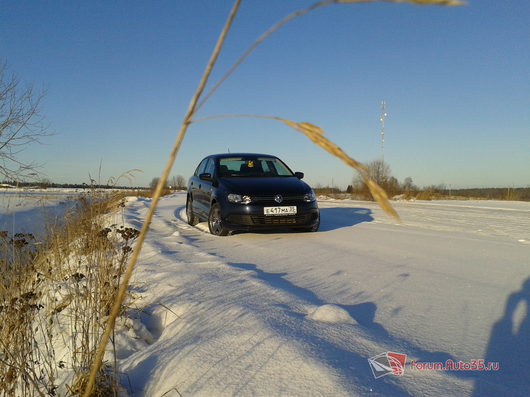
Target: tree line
point(380, 172)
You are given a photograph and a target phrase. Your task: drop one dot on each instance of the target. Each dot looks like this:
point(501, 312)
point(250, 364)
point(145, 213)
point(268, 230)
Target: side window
point(268, 168)
point(210, 167)
point(201, 167)
point(265, 166)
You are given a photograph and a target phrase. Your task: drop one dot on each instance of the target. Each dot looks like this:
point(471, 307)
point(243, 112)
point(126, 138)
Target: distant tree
point(408, 185)
point(181, 182)
point(20, 125)
point(154, 182)
point(44, 183)
point(178, 182)
point(392, 186)
point(349, 189)
point(379, 172)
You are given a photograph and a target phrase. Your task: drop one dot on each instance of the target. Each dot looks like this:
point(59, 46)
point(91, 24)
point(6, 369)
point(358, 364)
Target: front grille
point(250, 220)
point(240, 220)
point(280, 220)
point(270, 199)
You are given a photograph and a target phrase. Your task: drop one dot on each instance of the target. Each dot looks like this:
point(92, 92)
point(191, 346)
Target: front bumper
point(251, 217)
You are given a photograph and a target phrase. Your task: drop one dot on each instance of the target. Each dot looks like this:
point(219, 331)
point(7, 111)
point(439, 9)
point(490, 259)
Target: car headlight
point(237, 198)
point(309, 197)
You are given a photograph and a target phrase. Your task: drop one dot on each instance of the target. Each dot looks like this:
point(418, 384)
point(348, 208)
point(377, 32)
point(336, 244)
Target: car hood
point(265, 186)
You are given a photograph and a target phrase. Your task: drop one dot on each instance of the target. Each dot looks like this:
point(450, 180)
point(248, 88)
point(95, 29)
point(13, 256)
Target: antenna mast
point(382, 120)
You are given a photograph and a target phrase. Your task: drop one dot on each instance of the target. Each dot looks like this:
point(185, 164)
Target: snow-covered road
point(299, 314)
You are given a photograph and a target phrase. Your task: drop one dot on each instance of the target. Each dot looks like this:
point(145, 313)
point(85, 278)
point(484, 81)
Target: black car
point(247, 191)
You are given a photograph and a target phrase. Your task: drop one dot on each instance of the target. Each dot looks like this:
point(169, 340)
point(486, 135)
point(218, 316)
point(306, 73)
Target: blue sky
point(119, 76)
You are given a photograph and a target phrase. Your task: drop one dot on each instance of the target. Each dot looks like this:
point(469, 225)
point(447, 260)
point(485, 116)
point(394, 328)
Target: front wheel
point(192, 219)
point(215, 223)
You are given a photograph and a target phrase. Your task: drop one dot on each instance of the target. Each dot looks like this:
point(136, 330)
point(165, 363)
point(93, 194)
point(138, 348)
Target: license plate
point(286, 210)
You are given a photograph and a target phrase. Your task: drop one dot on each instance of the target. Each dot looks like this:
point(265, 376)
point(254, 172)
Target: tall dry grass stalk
point(306, 128)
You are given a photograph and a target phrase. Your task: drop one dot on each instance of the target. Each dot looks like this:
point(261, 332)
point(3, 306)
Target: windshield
point(255, 167)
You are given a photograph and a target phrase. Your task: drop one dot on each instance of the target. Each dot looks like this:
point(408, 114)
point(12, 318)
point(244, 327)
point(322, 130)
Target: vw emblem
point(278, 198)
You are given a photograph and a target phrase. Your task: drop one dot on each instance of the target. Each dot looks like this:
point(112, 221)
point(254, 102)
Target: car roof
point(225, 155)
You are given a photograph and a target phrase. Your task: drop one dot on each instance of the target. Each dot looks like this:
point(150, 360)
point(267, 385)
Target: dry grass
point(55, 297)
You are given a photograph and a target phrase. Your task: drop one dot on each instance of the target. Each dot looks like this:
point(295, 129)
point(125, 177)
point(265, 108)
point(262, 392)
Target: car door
point(195, 188)
point(206, 186)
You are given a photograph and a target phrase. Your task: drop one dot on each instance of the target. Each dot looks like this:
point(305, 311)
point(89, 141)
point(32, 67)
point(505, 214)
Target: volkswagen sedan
point(246, 191)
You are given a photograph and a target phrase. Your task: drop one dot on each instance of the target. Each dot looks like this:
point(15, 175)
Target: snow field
point(299, 313)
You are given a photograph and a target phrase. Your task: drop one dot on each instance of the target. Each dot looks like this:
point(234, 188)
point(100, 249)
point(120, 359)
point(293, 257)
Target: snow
point(25, 210)
point(330, 314)
point(29, 211)
point(299, 314)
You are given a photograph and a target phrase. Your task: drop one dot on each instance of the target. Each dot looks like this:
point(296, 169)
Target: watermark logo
point(394, 363)
point(387, 363)
point(450, 365)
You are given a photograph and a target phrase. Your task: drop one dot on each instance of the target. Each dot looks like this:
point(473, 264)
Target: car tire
point(192, 218)
point(215, 223)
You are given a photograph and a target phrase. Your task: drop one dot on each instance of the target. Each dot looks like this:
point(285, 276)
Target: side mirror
point(299, 175)
point(206, 177)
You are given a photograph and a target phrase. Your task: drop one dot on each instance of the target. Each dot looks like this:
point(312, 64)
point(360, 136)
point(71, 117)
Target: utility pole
point(382, 120)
